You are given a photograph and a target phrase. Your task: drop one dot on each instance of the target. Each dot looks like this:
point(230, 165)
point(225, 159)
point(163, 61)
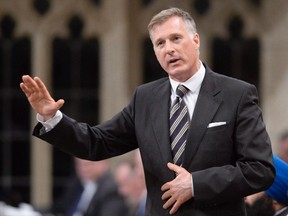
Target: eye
point(177, 38)
point(159, 43)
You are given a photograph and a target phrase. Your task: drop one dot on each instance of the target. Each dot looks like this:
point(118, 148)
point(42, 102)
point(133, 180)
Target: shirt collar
point(193, 83)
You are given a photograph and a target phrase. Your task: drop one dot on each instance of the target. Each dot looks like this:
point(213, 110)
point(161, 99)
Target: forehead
point(172, 25)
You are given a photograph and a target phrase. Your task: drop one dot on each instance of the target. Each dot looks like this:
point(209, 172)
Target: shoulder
point(228, 88)
point(225, 82)
point(153, 88)
point(154, 83)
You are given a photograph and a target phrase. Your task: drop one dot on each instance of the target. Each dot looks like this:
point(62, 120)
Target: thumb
point(173, 167)
point(59, 103)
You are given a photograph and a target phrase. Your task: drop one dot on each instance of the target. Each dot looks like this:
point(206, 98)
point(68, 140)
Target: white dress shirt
point(194, 85)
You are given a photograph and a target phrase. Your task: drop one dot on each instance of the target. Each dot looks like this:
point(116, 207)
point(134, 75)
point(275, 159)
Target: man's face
point(90, 170)
point(176, 49)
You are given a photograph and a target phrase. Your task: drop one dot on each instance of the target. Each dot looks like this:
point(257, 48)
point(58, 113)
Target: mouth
point(173, 60)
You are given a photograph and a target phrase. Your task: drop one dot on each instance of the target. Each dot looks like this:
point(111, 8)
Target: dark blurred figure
point(262, 206)
point(130, 178)
point(237, 56)
point(274, 200)
point(93, 192)
point(11, 197)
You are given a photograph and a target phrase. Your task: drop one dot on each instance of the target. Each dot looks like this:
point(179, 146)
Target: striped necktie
point(179, 125)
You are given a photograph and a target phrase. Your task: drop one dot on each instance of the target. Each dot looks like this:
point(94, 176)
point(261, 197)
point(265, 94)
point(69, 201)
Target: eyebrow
point(170, 36)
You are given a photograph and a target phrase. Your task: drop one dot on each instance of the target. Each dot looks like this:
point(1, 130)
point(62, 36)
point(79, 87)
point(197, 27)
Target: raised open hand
point(39, 97)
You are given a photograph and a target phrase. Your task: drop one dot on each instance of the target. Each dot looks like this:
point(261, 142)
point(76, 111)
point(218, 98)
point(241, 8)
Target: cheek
point(191, 55)
point(160, 58)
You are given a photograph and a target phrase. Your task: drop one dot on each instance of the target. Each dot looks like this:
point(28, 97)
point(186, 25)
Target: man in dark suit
point(92, 192)
point(220, 149)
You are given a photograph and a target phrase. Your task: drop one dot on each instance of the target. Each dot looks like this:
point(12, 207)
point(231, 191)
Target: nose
point(169, 47)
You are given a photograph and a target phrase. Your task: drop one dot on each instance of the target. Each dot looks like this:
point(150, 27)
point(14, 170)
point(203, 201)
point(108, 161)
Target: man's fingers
point(177, 169)
point(40, 84)
point(172, 203)
point(165, 187)
point(169, 203)
point(175, 207)
point(25, 78)
point(29, 82)
point(42, 88)
point(166, 195)
point(25, 89)
point(34, 85)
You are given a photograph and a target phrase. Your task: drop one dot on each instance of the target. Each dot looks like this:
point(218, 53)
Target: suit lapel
point(205, 109)
point(206, 106)
point(160, 117)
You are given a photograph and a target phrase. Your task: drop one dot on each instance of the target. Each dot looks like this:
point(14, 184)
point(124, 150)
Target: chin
point(176, 73)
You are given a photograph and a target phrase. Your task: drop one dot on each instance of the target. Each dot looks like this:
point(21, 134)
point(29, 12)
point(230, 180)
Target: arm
point(111, 138)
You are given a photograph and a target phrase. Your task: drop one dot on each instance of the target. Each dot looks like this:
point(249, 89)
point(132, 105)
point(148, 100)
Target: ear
point(196, 40)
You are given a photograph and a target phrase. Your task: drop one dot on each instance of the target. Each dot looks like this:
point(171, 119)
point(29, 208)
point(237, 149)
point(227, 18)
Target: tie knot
point(181, 91)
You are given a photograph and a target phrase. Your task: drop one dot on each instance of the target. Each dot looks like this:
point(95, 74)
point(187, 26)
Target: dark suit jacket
point(226, 162)
point(106, 200)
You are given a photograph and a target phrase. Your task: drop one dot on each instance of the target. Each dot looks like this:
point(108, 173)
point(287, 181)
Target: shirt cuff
point(50, 123)
point(192, 186)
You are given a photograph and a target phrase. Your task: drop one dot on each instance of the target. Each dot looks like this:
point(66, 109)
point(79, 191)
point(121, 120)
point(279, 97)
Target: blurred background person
point(259, 204)
point(130, 178)
point(283, 146)
point(93, 192)
point(274, 200)
point(11, 204)
point(23, 209)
